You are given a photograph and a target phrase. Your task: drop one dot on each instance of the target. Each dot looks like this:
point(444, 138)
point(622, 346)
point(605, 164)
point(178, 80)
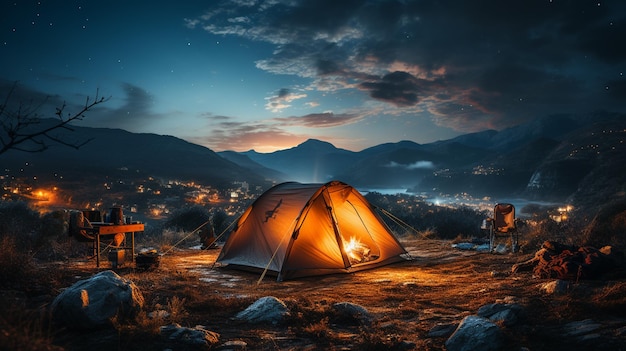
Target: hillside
point(553, 158)
point(577, 158)
point(111, 151)
point(313, 161)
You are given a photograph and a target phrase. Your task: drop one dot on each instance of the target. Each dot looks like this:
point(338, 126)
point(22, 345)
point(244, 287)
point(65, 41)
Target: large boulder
point(92, 303)
point(506, 313)
point(476, 334)
point(266, 309)
point(351, 312)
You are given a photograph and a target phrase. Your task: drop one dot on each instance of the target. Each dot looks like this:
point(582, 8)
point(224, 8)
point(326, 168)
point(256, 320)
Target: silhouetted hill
point(553, 127)
point(387, 147)
point(312, 161)
point(589, 165)
point(562, 157)
point(114, 150)
point(245, 161)
point(557, 157)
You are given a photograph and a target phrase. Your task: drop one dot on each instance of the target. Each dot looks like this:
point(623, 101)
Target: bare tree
point(24, 129)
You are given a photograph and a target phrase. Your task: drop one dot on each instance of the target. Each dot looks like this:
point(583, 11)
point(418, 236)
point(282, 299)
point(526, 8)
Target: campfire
point(357, 252)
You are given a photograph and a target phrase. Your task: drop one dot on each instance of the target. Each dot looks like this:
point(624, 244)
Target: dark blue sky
point(267, 75)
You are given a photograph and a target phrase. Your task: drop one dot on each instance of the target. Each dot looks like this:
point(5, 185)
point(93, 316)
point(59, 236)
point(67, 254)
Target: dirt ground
point(439, 286)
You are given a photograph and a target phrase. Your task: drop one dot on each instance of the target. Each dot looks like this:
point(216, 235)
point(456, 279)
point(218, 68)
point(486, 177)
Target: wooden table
point(106, 229)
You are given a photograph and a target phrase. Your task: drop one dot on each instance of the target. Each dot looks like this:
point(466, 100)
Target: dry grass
point(439, 286)
point(24, 328)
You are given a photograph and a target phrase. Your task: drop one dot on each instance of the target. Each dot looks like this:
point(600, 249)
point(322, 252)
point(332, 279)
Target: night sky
point(269, 74)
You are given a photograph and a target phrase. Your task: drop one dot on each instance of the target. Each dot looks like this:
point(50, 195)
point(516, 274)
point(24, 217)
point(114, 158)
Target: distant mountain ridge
point(560, 158)
point(312, 161)
point(111, 150)
point(532, 160)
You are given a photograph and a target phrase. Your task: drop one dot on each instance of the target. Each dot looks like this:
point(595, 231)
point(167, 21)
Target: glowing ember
point(357, 252)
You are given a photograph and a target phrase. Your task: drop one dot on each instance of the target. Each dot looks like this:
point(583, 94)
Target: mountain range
point(111, 152)
point(557, 158)
point(554, 158)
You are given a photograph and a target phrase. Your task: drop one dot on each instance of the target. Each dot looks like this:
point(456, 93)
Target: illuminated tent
point(296, 230)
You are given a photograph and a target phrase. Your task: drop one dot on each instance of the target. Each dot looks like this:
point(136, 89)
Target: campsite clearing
point(407, 300)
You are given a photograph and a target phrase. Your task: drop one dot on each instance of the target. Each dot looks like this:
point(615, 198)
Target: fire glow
point(357, 252)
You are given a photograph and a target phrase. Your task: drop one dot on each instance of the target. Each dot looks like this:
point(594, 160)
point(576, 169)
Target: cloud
point(411, 166)
point(29, 101)
point(471, 66)
point(228, 134)
point(398, 88)
point(282, 100)
point(133, 115)
point(320, 120)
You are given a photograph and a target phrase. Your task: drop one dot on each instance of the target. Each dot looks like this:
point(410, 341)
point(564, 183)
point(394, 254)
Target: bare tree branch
point(23, 129)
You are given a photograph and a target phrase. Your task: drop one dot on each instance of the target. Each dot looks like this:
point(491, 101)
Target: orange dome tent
point(297, 230)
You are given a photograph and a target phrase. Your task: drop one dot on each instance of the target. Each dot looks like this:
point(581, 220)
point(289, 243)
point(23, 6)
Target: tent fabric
point(297, 230)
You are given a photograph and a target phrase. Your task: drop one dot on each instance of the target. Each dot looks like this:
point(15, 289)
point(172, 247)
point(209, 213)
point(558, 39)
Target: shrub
point(430, 219)
point(16, 262)
point(188, 218)
point(19, 221)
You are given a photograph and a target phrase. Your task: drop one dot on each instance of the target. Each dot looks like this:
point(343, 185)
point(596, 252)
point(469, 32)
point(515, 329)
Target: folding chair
point(502, 225)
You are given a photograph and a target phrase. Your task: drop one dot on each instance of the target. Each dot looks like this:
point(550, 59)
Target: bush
point(188, 218)
point(19, 222)
point(423, 217)
point(183, 225)
point(16, 263)
point(607, 227)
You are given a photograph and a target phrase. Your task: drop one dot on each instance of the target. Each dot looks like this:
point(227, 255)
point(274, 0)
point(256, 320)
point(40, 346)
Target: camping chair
point(502, 224)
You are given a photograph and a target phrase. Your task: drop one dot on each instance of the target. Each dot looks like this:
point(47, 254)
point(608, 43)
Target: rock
point(442, 330)
point(507, 313)
point(92, 303)
point(353, 311)
point(464, 246)
point(198, 335)
point(475, 333)
point(483, 248)
point(508, 317)
point(557, 287)
point(233, 345)
point(265, 309)
point(161, 314)
point(581, 328)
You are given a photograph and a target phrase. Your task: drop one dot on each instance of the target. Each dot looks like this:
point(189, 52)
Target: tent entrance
point(356, 239)
point(358, 252)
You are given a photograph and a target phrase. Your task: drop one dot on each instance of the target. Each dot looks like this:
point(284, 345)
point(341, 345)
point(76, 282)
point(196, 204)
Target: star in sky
point(269, 74)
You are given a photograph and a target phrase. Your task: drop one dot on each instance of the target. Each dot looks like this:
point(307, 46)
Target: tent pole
point(346, 260)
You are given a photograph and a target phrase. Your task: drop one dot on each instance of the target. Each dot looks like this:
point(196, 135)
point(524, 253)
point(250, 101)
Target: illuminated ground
point(441, 285)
